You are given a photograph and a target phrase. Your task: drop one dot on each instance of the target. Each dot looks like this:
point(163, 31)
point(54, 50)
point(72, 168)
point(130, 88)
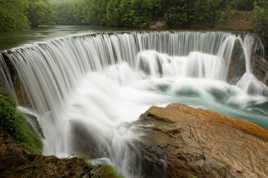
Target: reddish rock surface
point(206, 144)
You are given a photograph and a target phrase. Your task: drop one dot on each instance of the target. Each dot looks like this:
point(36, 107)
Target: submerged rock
point(204, 144)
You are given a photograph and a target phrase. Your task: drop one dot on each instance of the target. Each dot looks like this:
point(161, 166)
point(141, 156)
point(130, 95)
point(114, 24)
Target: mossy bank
point(21, 149)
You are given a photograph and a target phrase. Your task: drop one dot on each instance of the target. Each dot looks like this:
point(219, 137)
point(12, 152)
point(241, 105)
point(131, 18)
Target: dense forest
point(141, 13)
point(22, 14)
point(137, 14)
point(174, 14)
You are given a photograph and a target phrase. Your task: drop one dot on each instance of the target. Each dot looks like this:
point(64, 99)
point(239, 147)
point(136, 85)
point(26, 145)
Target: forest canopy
point(16, 15)
point(135, 14)
point(141, 13)
point(176, 14)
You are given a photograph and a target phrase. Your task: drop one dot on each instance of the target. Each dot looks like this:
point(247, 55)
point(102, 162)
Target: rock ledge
point(205, 144)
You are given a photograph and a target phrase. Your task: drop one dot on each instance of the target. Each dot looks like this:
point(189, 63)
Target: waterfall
point(86, 88)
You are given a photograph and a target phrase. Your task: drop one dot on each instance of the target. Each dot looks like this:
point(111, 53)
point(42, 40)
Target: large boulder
point(204, 144)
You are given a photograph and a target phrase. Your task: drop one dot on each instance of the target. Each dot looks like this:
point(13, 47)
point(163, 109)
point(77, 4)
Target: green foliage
point(15, 124)
point(183, 14)
point(95, 12)
point(242, 5)
point(261, 20)
point(113, 13)
point(40, 12)
point(110, 172)
point(104, 171)
point(12, 15)
point(69, 12)
point(261, 16)
point(178, 15)
point(141, 13)
point(18, 15)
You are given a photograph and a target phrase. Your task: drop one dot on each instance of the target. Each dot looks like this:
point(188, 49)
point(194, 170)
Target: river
point(12, 39)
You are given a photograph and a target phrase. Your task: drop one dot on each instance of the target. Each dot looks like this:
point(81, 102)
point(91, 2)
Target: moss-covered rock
point(21, 148)
point(15, 124)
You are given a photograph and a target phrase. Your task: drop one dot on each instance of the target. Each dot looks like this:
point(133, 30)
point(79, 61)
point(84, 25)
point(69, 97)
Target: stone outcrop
point(158, 25)
point(16, 161)
point(260, 69)
point(204, 144)
point(236, 21)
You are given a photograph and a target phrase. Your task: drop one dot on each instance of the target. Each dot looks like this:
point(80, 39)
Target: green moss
point(15, 124)
point(110, 172)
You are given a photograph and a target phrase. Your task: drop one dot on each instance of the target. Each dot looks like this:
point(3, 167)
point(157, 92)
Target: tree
point(261, 18)
point(113, 13)
point(40, 12)
point(95, 12)
point(69, 12)
point(243, 5)
point(12, 15)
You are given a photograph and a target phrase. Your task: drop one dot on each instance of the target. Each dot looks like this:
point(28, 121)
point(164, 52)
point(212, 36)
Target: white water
point(86, 88)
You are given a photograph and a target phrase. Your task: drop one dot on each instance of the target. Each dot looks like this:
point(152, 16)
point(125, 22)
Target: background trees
point(261, 18)
point(20, 14)
point(40, 12)
point(141, 13)
point(12, 15)
point(176, 14)
point(182, 14)
point(69, 12)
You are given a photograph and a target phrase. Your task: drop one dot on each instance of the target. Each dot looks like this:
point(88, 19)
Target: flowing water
point(85, 89)
point(44, 32)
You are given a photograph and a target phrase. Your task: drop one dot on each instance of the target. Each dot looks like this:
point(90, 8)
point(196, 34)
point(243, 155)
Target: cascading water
point(85, 89)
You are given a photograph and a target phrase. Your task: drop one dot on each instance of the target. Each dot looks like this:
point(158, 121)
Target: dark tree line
point(176, 14)
point(140, 13)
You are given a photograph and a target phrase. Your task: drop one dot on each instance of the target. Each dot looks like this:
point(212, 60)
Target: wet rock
point(16, 161)
point(204, 144)
point(83, 141)
point(159, 25)
point(153, 160)
point(260, 70)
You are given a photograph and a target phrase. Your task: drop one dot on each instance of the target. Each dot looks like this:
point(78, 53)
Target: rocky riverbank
point(204, 144)
point(16, 161)
point(179, 142)
point(21, 148)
